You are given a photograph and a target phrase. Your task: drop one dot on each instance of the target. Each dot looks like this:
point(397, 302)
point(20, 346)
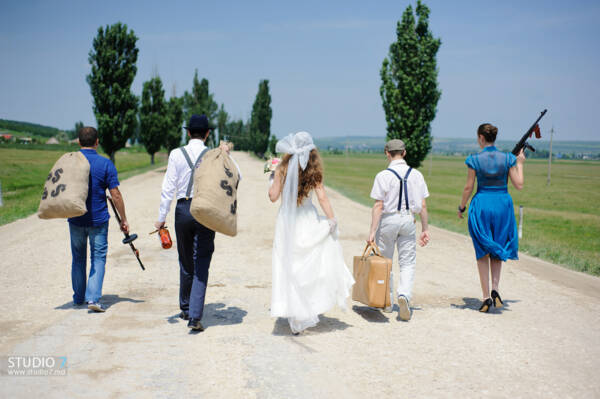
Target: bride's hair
point(308, 178)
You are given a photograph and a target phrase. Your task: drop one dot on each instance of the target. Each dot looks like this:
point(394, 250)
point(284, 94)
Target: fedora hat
point(199, 122)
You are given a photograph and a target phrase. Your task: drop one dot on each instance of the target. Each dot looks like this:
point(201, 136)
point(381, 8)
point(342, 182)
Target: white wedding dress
point(317, 279)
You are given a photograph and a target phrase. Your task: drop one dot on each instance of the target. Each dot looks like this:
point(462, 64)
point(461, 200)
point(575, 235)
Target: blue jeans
point(98, 246)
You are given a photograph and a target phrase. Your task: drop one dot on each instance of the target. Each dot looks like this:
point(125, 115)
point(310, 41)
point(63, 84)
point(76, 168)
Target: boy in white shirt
point(399, 192)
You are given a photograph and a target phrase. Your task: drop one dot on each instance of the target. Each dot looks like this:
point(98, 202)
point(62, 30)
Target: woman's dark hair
point(488, 131)
point(87, 136)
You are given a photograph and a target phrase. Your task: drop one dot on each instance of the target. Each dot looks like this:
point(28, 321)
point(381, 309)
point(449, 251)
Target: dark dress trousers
point(195, 245)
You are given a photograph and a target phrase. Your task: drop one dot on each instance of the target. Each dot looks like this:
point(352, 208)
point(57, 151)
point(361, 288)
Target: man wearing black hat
point(195, 243)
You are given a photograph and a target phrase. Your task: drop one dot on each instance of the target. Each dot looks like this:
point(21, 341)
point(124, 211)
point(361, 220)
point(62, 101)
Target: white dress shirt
point(177, 177)
point(386, 188)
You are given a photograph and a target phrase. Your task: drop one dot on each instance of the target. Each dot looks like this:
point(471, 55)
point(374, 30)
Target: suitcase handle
point(371, 246)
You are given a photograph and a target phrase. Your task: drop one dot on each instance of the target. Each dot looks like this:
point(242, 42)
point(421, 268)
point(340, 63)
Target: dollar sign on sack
point(57, 175)
point(59, 188)
point(225, 186)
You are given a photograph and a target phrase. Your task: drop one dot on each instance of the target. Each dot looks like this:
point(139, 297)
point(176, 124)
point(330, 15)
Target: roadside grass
point(23, 172)
point(561, 221)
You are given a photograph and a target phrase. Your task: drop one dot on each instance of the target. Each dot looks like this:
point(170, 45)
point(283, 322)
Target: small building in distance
point(25, 140)
point(52, 140)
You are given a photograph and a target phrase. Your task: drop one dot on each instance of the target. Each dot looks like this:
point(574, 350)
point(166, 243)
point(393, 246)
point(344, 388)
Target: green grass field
point(561, 221)
point(23, 173)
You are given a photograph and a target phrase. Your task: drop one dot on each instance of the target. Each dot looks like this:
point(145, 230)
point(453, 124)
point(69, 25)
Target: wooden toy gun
point(129, 238)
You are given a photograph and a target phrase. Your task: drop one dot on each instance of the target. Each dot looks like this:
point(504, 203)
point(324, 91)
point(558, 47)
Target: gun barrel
point(537, 120)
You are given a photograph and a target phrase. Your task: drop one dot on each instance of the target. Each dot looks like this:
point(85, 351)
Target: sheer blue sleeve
point(512, 160)
point(470, 162)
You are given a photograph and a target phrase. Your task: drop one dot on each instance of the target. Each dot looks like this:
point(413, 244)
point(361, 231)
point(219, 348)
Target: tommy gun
point(523, 142)
point(129, 238)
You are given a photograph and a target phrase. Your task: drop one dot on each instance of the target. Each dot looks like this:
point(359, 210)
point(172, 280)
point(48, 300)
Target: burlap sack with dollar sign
point(66, 188)
point(214, 203)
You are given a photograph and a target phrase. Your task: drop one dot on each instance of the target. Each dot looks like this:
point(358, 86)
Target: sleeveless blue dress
point(492, 222)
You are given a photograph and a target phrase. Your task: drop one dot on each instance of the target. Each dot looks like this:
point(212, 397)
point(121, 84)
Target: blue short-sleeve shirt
point(103, 175)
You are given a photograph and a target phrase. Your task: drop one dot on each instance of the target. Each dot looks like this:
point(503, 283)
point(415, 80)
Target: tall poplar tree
point(75, 132)
point(200, 101)
point(153, 116)
point(237, 132)
point(175, 123)
point(260, 120)
point(113, 67)
point(409, 84)
point(222, 120)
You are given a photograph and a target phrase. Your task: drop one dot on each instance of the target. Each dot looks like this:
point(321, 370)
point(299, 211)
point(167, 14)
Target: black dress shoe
point(486, 305)
point(184, 315)
point(497, 300)
point(195, 324)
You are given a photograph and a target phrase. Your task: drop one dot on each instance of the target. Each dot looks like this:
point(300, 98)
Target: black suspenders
point(192, 167)
point(402, 183)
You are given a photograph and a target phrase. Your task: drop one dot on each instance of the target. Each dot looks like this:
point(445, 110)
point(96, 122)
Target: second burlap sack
point(214, 203)
point(66, 188)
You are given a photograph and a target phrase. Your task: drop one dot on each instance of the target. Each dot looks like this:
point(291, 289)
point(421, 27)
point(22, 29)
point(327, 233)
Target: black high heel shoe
point(497, 300)
point(486, 305)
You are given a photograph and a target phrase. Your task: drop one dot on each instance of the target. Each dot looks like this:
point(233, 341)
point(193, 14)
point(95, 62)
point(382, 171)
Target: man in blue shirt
point(93, 225)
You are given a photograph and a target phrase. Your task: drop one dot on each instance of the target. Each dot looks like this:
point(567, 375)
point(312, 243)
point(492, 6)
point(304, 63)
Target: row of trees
point(157, 122)
point(408, 90)
point(33, 128)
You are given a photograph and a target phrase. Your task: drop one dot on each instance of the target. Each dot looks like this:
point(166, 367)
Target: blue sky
point(500, 62)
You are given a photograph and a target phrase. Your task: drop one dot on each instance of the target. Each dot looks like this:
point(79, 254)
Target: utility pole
point(550, 156)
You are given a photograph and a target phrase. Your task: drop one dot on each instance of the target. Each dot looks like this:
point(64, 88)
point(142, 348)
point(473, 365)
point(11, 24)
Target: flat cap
point(395, 145)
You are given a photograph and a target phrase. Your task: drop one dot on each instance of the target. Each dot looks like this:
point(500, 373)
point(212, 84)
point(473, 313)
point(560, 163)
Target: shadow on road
point(325, 325)
point(475, 304)
point(106, 300)
point(370, 314)
point(215, 314)
point(219, 314)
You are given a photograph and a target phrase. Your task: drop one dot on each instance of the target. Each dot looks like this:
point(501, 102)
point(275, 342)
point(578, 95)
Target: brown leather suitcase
point(372, 276)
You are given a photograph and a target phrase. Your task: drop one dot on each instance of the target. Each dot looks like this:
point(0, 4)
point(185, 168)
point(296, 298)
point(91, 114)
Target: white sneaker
point(96, 307)
point(404, 312)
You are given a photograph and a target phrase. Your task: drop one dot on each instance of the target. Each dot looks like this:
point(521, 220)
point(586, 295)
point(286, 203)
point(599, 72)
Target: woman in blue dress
point(492, 222)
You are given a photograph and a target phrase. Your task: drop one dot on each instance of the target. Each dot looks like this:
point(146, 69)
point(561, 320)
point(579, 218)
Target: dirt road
point(545, 343)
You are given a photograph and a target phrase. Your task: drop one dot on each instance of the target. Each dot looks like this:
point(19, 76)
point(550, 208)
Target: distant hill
point(26, 127)
point(450, 146)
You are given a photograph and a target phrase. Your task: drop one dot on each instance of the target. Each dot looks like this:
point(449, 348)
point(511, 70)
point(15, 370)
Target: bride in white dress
point(309, 272)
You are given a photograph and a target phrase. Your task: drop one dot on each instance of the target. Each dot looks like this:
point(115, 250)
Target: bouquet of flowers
point(271, 165)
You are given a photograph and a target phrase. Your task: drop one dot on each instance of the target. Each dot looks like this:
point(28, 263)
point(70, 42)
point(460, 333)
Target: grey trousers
point(399, 230)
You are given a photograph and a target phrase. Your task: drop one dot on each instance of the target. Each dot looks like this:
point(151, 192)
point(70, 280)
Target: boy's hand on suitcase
point(159, 225)
point(424, 239)
point(371, 238)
